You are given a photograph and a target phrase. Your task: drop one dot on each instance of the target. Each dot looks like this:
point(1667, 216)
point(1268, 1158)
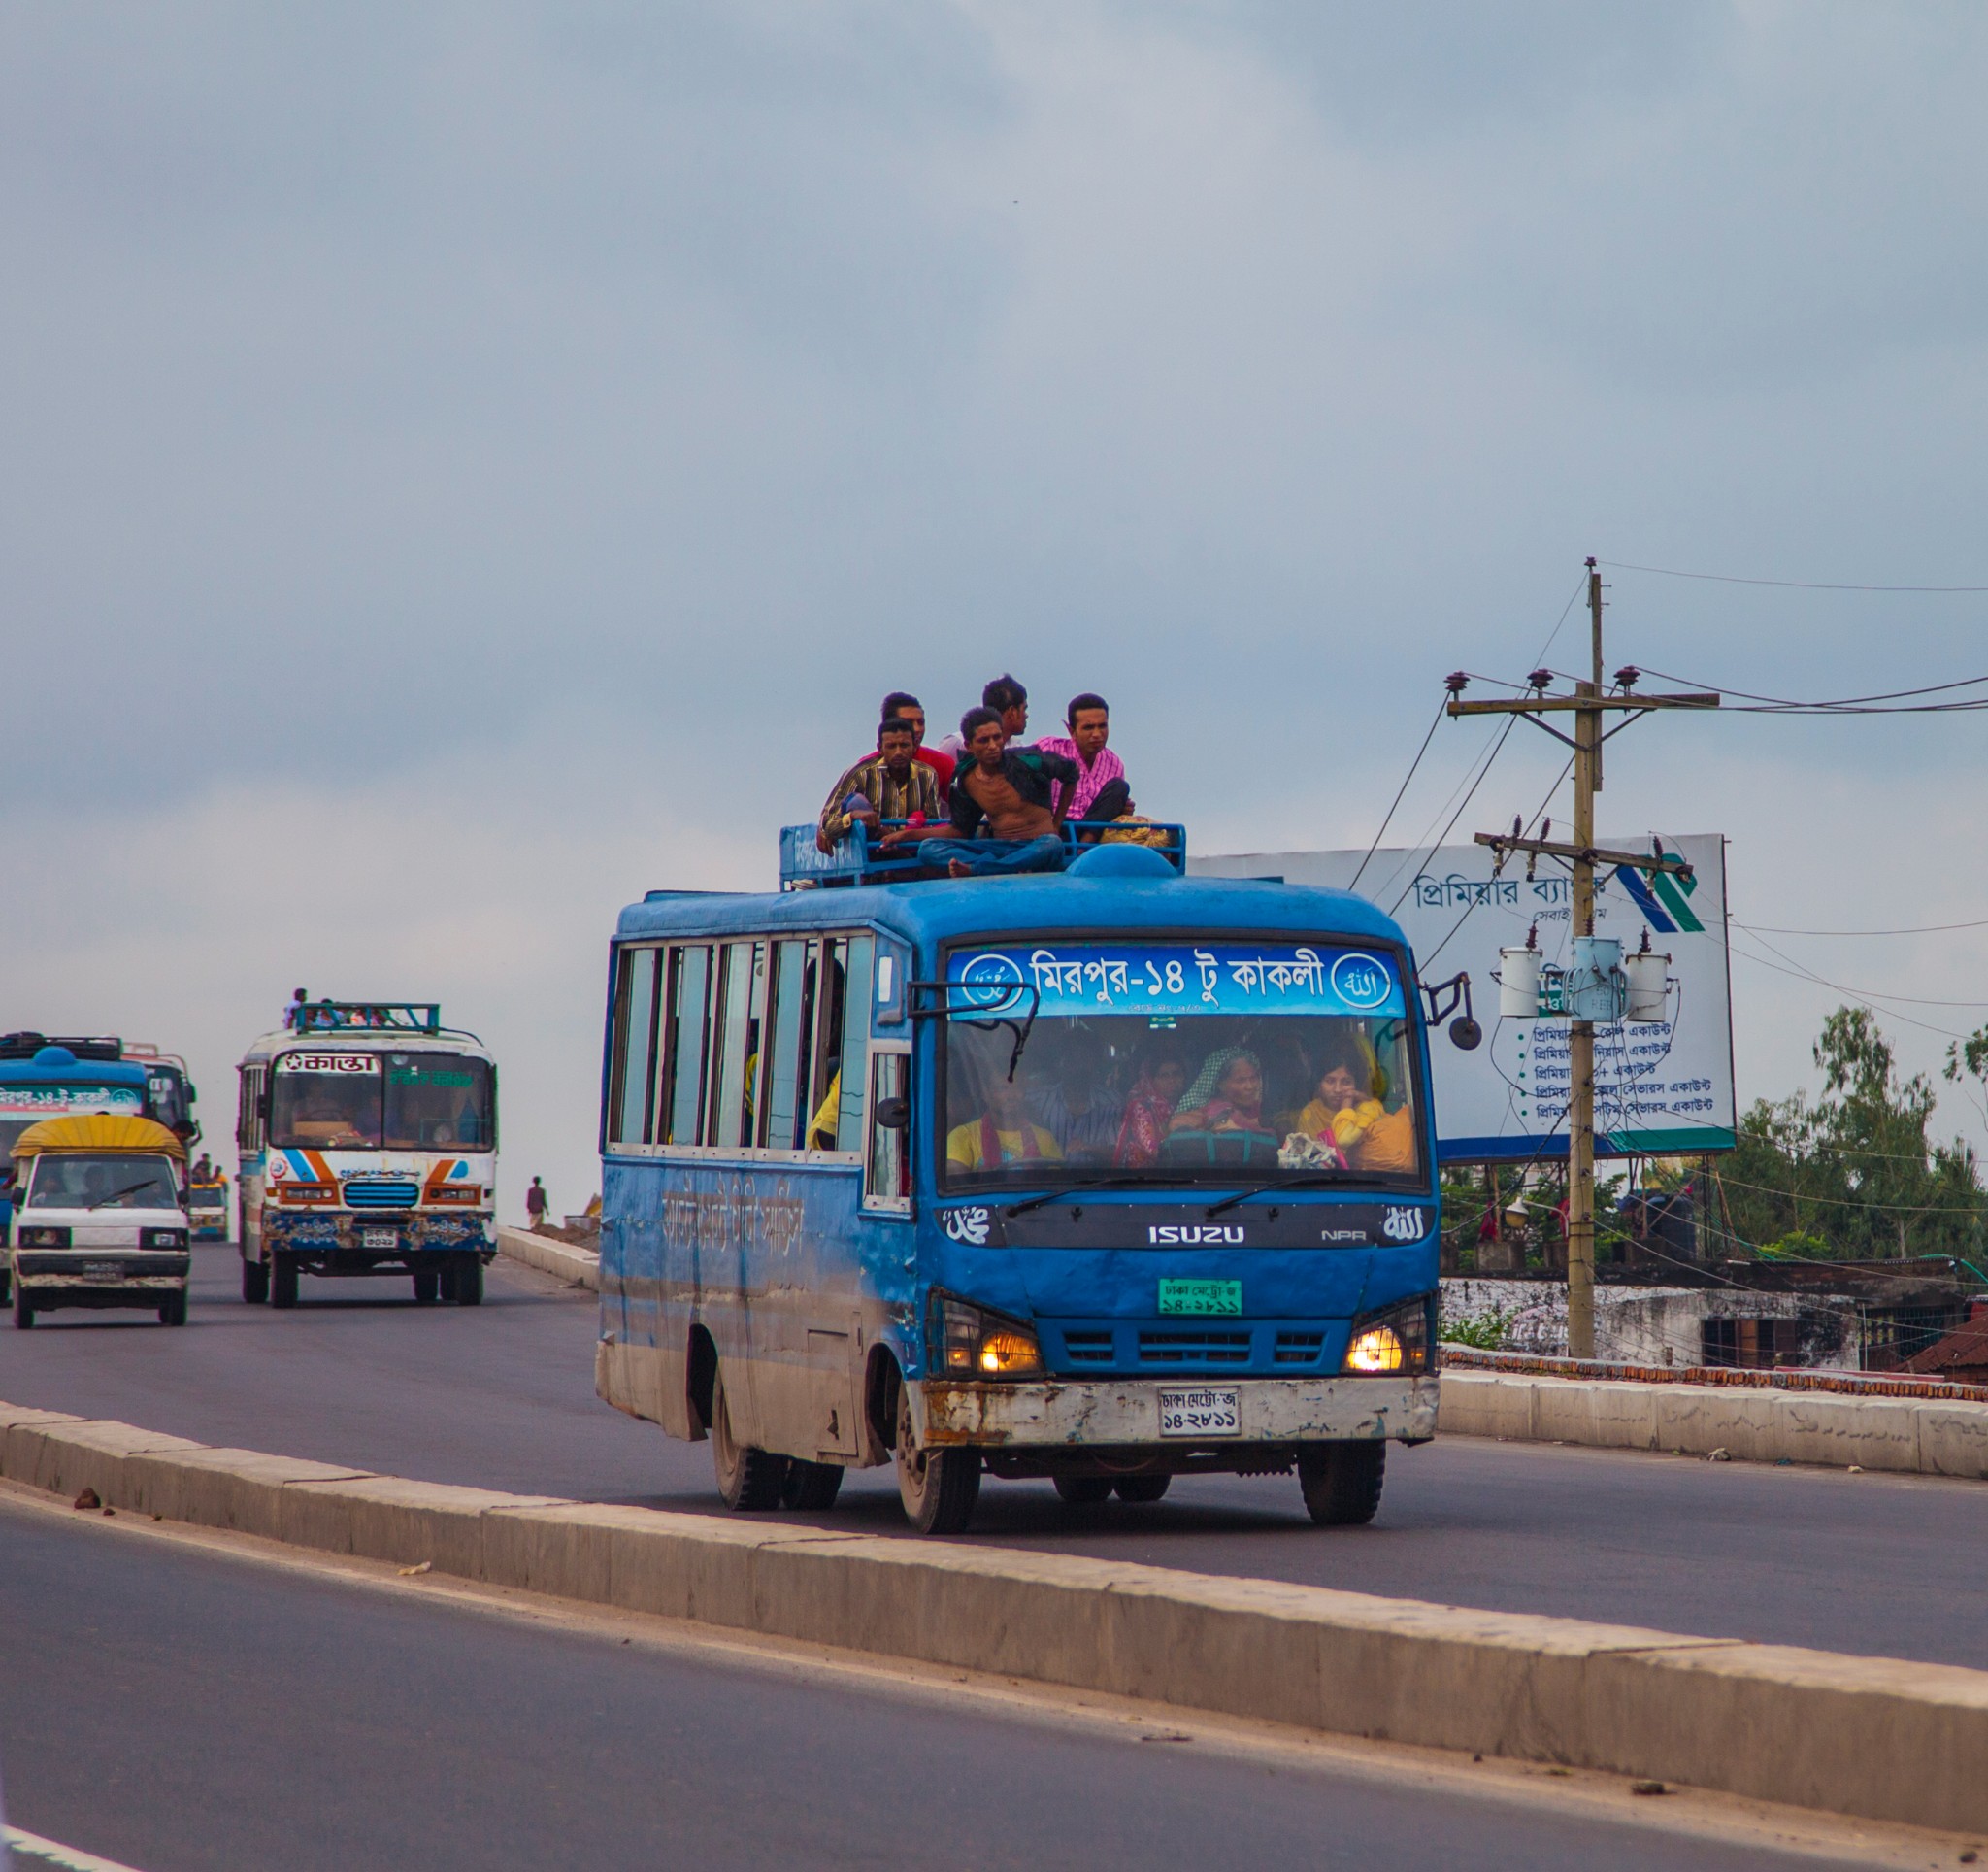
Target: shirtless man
point(1004, 794)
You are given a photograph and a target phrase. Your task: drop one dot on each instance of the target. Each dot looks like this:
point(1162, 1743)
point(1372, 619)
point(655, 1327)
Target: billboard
point(1662, 1089)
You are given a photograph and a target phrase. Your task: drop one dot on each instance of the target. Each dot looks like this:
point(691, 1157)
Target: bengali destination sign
point(1068, 979)
point(1664, 1087)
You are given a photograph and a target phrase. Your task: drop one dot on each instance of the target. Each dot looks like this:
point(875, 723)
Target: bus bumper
point(1119, 1412)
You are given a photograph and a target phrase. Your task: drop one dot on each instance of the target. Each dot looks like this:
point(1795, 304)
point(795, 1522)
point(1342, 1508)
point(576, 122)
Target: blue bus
point(50, 1081)
point(1101, 1177)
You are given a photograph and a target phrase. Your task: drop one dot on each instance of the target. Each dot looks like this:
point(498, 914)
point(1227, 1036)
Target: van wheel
point(469, 1281)
point(282, 1280)
point(254, 1281)
point(748, 1479)
point(811, 1487)
point(6, 1283)
point(1341, 1481)
point(1082, 1492)
point(427, 1284)
point(938, 1488)
point(23, 1314)
point(173, 1313)
point(1141, 1487)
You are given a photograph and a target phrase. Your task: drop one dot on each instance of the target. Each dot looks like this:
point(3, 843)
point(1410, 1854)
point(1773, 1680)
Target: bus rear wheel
point(938, 1487)
point(811, 1487)
point(469, 1281)
point(283, 1280)
point(748, 1479)
point(427, 1284)
point(1082, 1492)
point(1341, 1481)
point(1141, 1487)
point(254, 1281)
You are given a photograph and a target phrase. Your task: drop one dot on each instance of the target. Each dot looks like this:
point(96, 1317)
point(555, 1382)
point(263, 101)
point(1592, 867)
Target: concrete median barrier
point(1873, 1737)
point(550, 1255)
point(1916, 1435)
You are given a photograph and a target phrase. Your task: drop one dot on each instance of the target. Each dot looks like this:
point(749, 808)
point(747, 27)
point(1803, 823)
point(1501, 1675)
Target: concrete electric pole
point(1588, 703)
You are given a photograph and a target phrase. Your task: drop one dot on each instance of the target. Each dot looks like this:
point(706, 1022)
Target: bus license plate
point(379, 1238)
point(1212, 1411)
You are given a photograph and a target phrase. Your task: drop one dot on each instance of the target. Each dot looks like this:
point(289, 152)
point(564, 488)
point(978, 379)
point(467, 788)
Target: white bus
point(368, 1134)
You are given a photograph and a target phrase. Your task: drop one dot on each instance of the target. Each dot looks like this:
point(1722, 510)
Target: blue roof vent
point(1121, 861)
point(55, 1056)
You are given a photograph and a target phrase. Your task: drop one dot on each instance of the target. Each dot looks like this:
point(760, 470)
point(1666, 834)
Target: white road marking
point(30, 1850)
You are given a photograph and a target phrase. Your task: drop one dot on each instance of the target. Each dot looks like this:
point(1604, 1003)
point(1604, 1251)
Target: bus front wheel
point(938, 1487)
point(1341, 1481)
point(748, 1479)
point(283, 1280)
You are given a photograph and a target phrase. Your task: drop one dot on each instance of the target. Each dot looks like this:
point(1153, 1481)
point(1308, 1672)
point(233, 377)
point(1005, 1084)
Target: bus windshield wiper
point(1072, 1189)
point(116, 1195)
point(1312, 1181)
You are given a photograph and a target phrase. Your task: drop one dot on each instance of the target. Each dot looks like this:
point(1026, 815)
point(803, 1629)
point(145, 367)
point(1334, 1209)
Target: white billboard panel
point(1660, 1088)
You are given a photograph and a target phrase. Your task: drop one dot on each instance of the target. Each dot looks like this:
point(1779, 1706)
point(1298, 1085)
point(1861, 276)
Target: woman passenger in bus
point(1149, 1110)
point(1348, 1115)
point(1227, 1094)
point(1003, 1133)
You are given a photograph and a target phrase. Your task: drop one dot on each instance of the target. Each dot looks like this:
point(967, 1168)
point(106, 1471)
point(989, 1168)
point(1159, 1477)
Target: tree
point(1854, 1169)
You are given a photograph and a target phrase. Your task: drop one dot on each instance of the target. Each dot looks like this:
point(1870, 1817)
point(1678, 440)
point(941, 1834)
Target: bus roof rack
point(26, 1045)
point(804, 866)
point(377, 1016)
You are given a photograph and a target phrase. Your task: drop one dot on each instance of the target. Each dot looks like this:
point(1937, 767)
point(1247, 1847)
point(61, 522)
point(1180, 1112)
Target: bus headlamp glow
point(971, 1342)
point(1377, 1350)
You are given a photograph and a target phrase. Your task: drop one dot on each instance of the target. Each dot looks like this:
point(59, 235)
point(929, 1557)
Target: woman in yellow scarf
point(1349, 1116)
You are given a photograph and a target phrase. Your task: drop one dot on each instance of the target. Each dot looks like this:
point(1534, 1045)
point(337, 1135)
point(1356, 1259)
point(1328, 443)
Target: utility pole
point(1588, 703)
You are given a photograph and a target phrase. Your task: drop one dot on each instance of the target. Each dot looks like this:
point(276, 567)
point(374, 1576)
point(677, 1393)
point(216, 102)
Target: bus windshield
point(402, 1101)
point(1169, 1064)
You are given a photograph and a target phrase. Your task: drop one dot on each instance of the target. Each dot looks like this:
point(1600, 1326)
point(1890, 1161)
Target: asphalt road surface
point(177, 1709)
point(502, 1397)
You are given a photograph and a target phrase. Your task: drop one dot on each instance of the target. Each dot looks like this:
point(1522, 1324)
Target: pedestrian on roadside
point(536, 1203)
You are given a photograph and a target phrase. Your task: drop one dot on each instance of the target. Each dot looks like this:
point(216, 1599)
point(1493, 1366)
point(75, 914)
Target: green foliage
point(1852, 1175)
point(1486, 1332)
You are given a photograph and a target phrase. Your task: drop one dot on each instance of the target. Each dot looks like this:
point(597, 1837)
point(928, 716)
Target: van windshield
point(107, 1180)
point(400, 1101)
point(1179, 1064)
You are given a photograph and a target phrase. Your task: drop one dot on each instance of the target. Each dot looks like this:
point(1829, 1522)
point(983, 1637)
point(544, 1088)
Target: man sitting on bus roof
point(1004, 792)
point(900, 702)
point(1104, 794)
point(1010, 702)
point(888, 784)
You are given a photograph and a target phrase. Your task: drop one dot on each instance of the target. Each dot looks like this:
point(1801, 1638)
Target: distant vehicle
point(207, 1207)
point(170, 1089)
point(1101, 1178)
point(100, 1217)
point(63, 1079)
point(368, 1135)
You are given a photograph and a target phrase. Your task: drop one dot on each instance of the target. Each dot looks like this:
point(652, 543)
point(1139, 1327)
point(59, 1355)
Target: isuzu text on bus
point(1105, 1177)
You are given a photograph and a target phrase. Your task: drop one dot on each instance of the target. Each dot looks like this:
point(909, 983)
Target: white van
point(99, 1217)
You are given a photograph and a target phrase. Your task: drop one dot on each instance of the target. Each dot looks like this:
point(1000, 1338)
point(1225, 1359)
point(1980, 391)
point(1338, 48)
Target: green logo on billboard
point(1201, 1297)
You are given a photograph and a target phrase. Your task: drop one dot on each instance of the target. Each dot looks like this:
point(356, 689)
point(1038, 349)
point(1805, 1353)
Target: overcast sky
point(462, 466)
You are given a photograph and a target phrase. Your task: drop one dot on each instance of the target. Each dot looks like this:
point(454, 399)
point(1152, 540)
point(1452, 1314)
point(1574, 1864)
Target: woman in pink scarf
point(1149, 1111)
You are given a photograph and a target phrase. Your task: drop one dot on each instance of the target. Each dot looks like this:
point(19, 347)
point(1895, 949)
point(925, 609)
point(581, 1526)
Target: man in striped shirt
point(888, 784)
point(1102, 791)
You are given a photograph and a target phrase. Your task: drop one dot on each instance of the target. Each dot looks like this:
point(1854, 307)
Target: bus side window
point(635, 1028)
point(684, 1062)
point(736, 1051)
point(855, 1043)
point(824, 1121)
point(792, 1022)
point(887, 1164)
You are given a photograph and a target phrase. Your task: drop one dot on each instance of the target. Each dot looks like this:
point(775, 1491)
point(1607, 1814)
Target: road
point(183, 1710)
point(502, 1397)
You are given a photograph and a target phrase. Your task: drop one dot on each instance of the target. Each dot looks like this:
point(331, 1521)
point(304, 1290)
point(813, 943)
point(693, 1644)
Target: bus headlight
point(970, 1342)
point(1396, 1340)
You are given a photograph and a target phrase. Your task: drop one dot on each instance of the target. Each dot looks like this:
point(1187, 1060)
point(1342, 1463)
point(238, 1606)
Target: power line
point(1816, 980)
point(1916, 929)
point(1489, 758)
point(1788, 585)
point(1910, 1000)
point(1435, 722)
point(1849, 704)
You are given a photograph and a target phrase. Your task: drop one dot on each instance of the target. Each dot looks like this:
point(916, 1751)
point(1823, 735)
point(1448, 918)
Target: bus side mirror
point(894, 1114)
point(1465, 1034)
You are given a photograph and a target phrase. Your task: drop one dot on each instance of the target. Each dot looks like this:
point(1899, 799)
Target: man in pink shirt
point(1102, 793)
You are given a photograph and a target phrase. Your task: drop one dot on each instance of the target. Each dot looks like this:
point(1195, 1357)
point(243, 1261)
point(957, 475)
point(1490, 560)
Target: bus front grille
point(1089, 1348)
point(1299, 1348)
point(1193, 1348)
point(396, 1193)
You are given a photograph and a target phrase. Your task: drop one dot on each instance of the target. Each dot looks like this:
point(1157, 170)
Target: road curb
point(1873, 1737)
point(550, 1257)
point(1915, 1435)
